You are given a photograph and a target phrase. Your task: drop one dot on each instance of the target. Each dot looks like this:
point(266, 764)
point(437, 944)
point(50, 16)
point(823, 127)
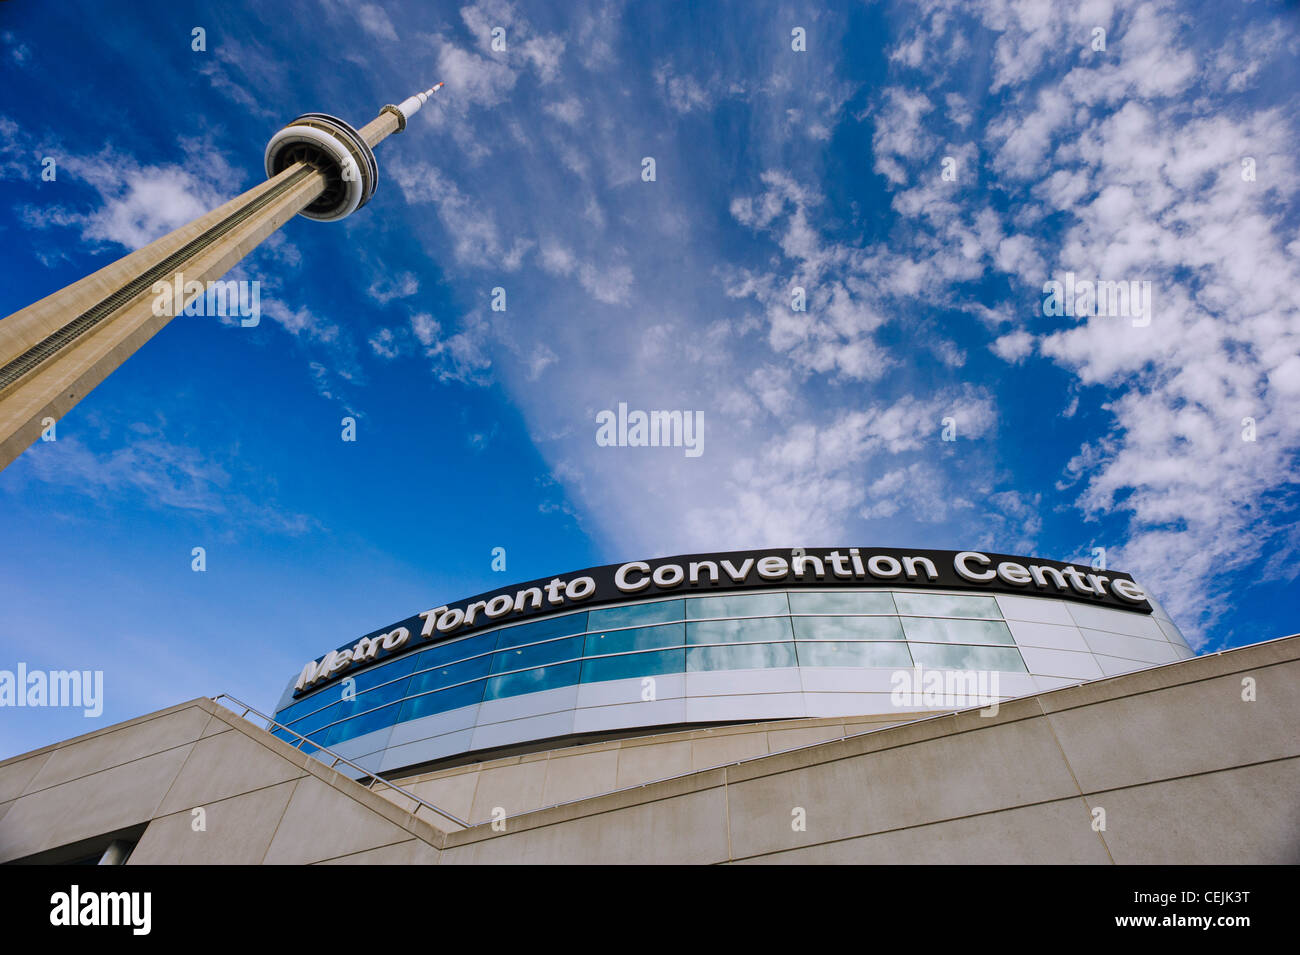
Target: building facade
point(724, 638)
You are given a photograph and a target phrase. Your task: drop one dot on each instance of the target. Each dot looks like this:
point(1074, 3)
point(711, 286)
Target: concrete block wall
point(524, 783)
point(261, 801)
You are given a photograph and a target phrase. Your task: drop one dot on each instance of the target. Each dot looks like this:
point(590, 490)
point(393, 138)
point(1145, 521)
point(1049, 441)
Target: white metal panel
point(1061, 663)
point(1034, 609)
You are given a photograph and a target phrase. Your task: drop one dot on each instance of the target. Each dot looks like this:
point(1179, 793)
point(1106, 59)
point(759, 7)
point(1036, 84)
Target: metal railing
point(371, 778)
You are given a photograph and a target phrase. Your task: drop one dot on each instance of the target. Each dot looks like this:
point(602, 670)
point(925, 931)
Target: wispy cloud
point(155, 473)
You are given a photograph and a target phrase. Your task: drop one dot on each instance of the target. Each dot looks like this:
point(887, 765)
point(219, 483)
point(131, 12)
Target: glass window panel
point(842, 602)
point(635, 615)
point(449, 675)
point(953, 657)
point(370, 699)
point(633, 665)
point(360, 725)
point(926, 630)
point(367, 678)
point(827, 653)
point(733, 631)
point(638, 638)
point(744, 657)
point(521, 657)
point(847, 628)
point(307, 704)
point(542, 630)
point(442, 701)
point(342, 709)
point(737, 605)
point(384, 673)
point(945, 605)
point(314, 721)
point(442, 653)
point(532, 681)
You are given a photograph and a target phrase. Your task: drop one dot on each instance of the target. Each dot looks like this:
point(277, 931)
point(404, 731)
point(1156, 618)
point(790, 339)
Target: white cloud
point(138, 203)
point(134, 203)
point(20, 53)
point(805, 483)
point(385, 344)
point(1149, 189)
point(609, 283)
point(301, 322)
point(1284, 380)
point(567, 110)
point(154, 472)
point(472, 230)
point(475, 80)
point(900, 136)
point(1014, 346)
point(545, 54)
point(460, 357)
point(387, 288)
point(683, 93)
point(375, 21)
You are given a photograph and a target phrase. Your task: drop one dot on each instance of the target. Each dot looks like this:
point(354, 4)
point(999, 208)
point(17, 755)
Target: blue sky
point(775, 168)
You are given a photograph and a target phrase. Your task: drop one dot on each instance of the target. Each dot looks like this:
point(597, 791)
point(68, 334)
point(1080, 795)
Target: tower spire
point(379, 128)
point(411, 105)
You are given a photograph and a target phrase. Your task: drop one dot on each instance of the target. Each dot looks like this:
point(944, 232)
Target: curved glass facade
point(770, 629)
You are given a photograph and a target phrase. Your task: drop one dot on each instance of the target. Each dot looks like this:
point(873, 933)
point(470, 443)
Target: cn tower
point(53, 352)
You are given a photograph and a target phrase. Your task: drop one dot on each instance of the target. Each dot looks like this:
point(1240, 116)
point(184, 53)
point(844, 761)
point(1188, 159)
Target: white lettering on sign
point(638, 575)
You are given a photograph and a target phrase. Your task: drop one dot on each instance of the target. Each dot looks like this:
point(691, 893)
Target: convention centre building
point(721, 638)
point(818, 705)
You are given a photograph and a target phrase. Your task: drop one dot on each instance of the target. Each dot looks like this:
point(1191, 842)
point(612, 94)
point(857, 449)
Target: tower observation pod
point(344, 156)
point(330, 145)
point(53, 352)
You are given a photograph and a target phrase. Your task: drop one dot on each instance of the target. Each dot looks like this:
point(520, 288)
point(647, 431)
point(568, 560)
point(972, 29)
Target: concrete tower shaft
point(53, 352)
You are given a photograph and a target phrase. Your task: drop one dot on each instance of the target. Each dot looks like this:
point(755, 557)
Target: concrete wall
point(262, 801)
point(518, 784)
point(1185, 770)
